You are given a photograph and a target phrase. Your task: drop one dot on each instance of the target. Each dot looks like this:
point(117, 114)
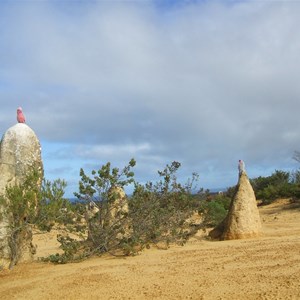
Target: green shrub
point(214, 211)
point(105, 231)
point(20, 203)
point(53, 207)
point(280, 184)
point(159, 211)
point(156, 213)
point(31, 204)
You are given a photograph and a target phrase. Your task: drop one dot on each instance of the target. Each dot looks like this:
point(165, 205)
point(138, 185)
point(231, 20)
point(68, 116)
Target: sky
point(204, 83)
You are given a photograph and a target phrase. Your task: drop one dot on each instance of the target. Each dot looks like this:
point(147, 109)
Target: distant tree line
point(280, 184)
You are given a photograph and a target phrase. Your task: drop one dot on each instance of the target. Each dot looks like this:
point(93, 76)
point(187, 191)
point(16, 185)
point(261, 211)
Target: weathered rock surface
point(117, 201)
point(118, 207)
point(243, 220)
point(20, 153)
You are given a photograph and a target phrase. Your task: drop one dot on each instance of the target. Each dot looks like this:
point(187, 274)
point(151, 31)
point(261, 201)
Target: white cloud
point(112, 151)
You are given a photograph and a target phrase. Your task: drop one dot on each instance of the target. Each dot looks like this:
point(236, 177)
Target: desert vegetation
point(280, 184)
point(104, 220)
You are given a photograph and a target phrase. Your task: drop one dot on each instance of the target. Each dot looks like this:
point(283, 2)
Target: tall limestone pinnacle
point(20, 153)
point(243, 220)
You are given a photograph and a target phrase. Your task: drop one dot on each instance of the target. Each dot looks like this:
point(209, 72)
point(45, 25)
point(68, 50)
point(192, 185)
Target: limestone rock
point(91, 209)
point(117, 201)
point(118, 207)
point(114, 214)
point(20, 153)
point(243, 220)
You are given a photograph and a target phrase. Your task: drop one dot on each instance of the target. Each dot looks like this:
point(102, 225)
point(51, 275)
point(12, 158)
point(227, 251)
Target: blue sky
point(205, 83)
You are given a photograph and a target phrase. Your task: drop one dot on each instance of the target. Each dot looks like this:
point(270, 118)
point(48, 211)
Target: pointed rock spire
point(243, 220)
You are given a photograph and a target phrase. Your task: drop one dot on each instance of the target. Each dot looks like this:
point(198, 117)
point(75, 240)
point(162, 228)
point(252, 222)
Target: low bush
point(159, 211)
point(52, 207)
point(215, 210)
point(155, 214)
point(280, 184)
point(20, 202)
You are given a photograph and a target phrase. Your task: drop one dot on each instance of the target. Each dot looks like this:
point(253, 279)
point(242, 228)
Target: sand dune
point(261, 268)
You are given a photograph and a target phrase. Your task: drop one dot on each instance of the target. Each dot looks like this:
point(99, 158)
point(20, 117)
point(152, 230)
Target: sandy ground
point(263, 268)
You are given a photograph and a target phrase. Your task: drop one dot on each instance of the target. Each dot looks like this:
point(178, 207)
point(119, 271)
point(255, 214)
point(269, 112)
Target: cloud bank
point(204, 83)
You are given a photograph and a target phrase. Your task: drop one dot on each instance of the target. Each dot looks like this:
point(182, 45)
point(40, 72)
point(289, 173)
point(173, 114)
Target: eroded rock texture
point(243, 220)
point(20, 153)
